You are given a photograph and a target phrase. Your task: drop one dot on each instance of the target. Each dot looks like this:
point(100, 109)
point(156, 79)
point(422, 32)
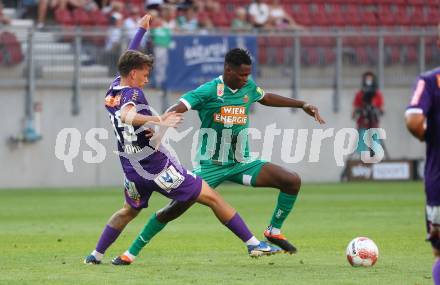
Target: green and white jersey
point(224, 113)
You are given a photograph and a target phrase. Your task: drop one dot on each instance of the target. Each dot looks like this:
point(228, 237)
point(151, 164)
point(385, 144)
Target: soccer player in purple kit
point(423, 122)
point(148, 169)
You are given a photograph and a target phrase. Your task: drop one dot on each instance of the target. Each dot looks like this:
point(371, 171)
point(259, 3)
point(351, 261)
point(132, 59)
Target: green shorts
point(241, 173)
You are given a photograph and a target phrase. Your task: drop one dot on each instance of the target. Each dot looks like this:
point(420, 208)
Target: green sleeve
point(196, 98)
point(258, 92)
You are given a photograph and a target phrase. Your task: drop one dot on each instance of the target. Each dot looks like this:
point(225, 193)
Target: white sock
point(129, 255)
point(275, 231)
point(253, 241)
point(97, 255)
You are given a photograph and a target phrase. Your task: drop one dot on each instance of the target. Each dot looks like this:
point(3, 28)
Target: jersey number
point(128, 132)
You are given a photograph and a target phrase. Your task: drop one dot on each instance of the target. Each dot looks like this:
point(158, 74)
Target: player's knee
point(292, 183)
point(128, 213)
point(212, 200)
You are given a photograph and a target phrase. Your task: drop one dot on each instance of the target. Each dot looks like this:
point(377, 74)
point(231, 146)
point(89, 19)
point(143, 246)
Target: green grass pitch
point(45, 234)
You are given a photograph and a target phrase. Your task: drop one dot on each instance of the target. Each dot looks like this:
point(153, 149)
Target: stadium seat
point(99, 18)
point(219, 20)
point(12, 53)
point(81, 17)
point(63, 17)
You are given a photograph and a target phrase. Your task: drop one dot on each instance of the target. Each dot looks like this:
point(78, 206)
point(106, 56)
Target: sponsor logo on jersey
point(169, 179)
point(231, 115)
point(220, 89)
point(112, 101)
point(246, 98)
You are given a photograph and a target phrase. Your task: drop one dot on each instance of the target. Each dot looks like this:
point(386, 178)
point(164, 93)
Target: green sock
point(148, 232)
point(282, 210)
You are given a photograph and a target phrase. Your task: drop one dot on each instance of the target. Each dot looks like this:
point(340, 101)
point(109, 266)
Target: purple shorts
point(174, 182)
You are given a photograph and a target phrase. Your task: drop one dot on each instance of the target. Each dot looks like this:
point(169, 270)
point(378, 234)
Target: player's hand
point(171, 119)
point(144, 22)
point(313, 111)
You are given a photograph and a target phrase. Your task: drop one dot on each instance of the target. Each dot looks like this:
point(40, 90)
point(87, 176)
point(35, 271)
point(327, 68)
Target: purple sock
point(239, 228)
point(108, 236)
point(436, 272)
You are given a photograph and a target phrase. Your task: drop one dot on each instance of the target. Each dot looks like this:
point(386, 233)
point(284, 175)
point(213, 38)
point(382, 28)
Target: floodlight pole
point(76, 73)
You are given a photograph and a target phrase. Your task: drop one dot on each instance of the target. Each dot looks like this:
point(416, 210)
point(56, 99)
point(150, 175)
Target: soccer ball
point(362, 251)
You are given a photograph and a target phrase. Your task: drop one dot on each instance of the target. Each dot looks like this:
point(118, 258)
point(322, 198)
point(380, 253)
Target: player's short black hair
point(132, 59)
point(237, 57)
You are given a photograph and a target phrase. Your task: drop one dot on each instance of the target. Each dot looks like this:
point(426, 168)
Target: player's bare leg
point(114, 227)
point(289, 184)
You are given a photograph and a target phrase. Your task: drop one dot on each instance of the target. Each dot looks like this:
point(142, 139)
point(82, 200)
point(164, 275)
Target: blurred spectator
point(161, 36)
point(4, 20)
point(367, 107)
point(64, 4)
point(207, 5)
point(188, 21)
point(114, 32)
point(153, 4)
point(113, 6)
point(240, 23)
point(112, 47)
point(259, 13)
point(280, 19)
point(168, 15)
point(130, 23)
point(45, 5)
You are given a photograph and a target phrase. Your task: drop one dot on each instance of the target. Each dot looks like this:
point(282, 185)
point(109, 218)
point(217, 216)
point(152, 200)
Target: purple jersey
point(132, 141)
point(426, 101)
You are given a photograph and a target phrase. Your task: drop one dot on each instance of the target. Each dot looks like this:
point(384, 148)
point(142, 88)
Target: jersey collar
point(232, 90)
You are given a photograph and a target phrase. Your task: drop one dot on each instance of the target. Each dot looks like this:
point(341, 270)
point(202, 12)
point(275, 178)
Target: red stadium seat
point(12, 53)
point(99, 18)
point(416, 2)
point(219, 20)
point(81, 17)
point(63, 17)
point(433, 15)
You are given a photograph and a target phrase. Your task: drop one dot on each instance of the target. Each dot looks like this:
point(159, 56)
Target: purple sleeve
point(134, 44)
point(421, 100)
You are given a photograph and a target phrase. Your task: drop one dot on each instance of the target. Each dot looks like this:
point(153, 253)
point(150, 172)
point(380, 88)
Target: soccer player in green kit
point(223, 107)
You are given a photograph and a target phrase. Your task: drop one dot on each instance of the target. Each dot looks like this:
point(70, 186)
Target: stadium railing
point(76, 58)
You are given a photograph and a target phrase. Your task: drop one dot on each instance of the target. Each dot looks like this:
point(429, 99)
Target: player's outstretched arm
point(144, 25)
point(416, 125)
point(274, 100)
point(131, 117)
point(178, 108)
